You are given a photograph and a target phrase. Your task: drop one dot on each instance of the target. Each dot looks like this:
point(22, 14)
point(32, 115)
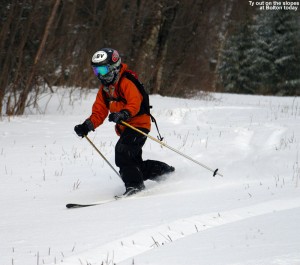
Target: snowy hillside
point(249, 216)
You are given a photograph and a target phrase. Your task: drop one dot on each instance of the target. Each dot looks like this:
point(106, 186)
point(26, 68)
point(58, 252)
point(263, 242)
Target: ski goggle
point(101, 70)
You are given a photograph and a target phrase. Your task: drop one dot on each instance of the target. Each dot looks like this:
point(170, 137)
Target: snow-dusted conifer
point(276, 52)
point(263, 57)
point(235, 61)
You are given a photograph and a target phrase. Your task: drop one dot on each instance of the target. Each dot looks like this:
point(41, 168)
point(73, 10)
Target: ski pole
point(92, 144)
point(215, 172)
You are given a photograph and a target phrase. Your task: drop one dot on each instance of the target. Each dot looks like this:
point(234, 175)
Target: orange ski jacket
point(132, 103)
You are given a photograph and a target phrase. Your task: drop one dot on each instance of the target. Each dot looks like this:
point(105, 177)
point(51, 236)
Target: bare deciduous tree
point(173, 45)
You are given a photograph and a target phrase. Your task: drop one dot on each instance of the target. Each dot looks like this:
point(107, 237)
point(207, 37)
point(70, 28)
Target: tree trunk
point(24, 94)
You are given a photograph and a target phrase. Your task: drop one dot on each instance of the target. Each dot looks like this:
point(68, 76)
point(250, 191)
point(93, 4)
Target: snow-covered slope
point(249, 216)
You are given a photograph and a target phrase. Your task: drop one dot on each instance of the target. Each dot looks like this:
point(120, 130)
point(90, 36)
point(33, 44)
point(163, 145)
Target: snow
point(249, 216)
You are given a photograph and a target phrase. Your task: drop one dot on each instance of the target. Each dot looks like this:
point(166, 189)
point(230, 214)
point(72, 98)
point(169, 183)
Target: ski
point(80, 205)
point(116, 198)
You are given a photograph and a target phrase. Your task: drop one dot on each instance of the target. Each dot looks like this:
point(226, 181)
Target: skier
point(120, 97)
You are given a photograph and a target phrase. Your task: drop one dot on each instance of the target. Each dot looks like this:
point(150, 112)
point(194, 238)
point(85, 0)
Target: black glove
point(84, 128)
point(117, 117)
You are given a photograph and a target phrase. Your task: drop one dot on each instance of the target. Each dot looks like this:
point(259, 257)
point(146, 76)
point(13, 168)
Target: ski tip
point(71, 205)
point(75, 205)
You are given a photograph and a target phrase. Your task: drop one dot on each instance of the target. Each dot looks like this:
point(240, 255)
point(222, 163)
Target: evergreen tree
point(236, 63)
point(264, 57)
point(276, 52)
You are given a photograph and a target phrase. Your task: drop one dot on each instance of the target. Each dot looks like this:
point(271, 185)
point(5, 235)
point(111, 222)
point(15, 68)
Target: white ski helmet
point(106, 64)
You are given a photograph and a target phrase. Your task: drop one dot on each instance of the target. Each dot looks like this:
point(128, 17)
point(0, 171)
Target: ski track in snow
point(148, 239)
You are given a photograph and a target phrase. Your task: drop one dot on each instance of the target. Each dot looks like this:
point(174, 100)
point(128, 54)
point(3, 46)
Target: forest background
point(178, 48)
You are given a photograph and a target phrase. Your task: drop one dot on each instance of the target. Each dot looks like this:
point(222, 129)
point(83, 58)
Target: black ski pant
point(128, 157)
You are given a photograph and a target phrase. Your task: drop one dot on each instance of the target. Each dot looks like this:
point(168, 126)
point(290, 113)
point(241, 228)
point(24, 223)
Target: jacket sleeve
point(132, 95)
point(99, 110)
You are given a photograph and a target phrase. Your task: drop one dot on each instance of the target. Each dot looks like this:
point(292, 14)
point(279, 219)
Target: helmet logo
point(99, 57)
point(115, 56)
